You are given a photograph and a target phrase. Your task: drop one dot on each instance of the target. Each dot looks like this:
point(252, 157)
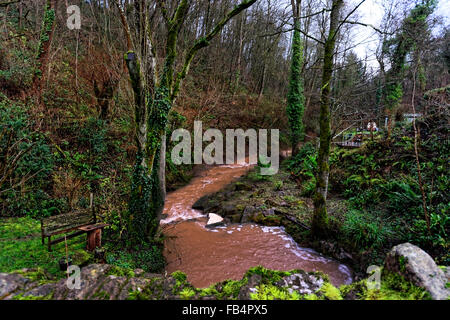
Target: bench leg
point(94, 239)
point(49, 244)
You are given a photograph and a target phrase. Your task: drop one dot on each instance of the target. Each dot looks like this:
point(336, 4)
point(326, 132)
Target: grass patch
point(21, 247)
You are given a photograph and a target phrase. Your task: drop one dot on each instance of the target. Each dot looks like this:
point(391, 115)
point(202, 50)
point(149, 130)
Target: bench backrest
point(68, 221)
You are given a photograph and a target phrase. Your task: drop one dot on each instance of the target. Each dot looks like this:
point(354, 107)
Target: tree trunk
point(153, 100)
point(239, 59)
point(296, 99)
point(320, 218)
point(43, 53)
point(162, 176)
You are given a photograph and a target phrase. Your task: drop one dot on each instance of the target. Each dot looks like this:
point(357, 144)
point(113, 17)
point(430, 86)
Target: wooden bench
point(77, 222)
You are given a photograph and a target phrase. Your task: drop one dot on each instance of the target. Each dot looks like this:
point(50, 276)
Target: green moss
point(37, 275)
point(82, 258)
point(330, 292)
point(271, 292)
point(232, 288)
point(153, 291)
point(393, 287)
point(271, 221)
point(21, 248)
point(211, 291)
point(181, 281)
point(101, 295)
point(179, 276)
point(30, 297)
point(311, 297)
point(120, 272)
point(402, 262)
point(187, 293)
point(267, 275)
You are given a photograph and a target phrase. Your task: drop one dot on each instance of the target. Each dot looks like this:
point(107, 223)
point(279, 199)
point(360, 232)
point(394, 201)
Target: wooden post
point(94, 239)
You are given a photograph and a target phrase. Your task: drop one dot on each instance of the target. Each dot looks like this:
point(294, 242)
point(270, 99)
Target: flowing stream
point(213, 255)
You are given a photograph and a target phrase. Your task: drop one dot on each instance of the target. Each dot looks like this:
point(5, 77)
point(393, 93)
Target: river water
point(213, 255)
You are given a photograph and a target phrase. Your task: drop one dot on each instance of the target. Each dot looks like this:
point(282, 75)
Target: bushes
point(303, 166)
point(381, 185)
point(26, 163)
point(148, 258)
point(364, 230)
point(16, 63)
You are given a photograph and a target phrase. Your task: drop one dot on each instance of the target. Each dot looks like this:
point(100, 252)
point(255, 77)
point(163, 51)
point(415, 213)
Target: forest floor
point(21, 248)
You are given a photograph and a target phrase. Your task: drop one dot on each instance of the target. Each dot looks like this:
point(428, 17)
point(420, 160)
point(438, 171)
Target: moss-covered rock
point(417, 267)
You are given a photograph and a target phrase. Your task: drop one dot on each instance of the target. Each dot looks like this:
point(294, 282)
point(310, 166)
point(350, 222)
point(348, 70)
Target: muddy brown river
point(213, 255)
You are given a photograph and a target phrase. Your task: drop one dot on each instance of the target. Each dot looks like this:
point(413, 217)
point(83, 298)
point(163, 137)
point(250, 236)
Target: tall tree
point(320, 218)
point(43, 51)
point(296, 97)
point(413, 27)
point(156, 89)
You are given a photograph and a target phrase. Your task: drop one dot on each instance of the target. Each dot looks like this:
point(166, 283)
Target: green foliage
point(393, 287)
point(47, 25)
point(93, 135)
point(303, 167)
point(31, 297)
point(364, 230)
point(145, 200)
point(330, 292)
point(146, 257)
point(268, 276)
point(141, 219)
point(394, 95)
point(32, 168)
point(120, 272)
point(187, 293)
point(16, 72)
point(256, 175)
point(21, 247)
point(270, 292)
point(384, 197)
point(414, 27)
point(278, 185)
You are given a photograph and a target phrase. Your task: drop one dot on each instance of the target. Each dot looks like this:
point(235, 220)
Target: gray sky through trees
point(371, 12)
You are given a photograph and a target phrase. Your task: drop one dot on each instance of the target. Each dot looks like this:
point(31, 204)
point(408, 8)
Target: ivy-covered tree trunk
point(154, 98)
point(320, 218)
point(43, 51)
point(140, 220)
point(296, 98)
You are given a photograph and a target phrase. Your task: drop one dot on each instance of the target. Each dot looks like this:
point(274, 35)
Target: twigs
point(416, 151)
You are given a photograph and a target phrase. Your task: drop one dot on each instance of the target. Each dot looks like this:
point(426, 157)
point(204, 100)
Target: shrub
point(364, 230)
point(148, 258)
point(26, 162)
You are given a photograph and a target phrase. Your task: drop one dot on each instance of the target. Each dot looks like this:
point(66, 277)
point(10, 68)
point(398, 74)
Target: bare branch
point(7, 3)
point(204, 42)
point(368, 25)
